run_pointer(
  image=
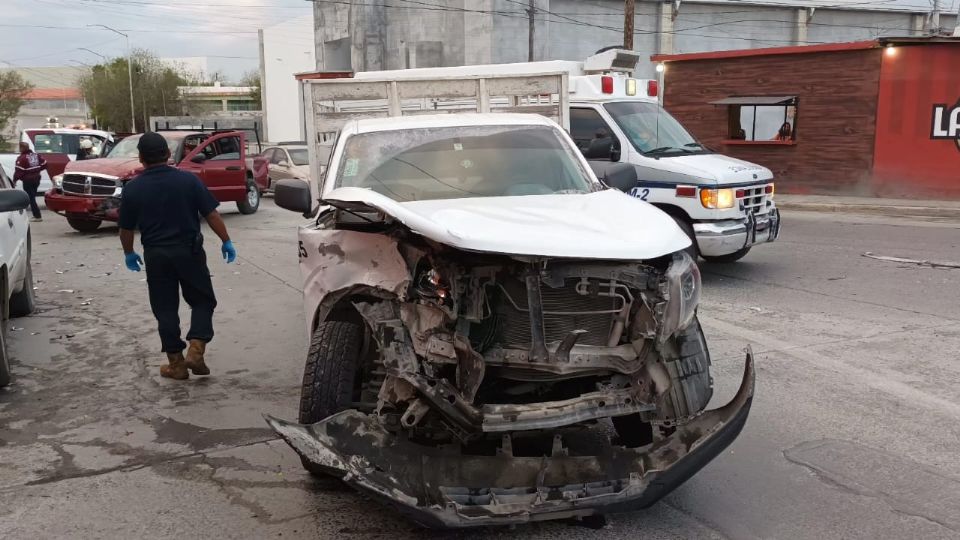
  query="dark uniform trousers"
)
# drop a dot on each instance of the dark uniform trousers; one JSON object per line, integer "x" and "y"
{"x": 169, "y": 269}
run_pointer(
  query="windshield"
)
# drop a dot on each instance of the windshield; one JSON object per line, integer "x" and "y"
{"x": 299, "y": 156}
{"x": 127, "y": 148}
{"x": 651, "y": 129}
{"x": 460, "y": 162}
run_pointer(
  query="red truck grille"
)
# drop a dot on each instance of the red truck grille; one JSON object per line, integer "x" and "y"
{"x": 82, "y": 184}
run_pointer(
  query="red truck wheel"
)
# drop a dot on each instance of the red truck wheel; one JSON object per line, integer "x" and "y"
{"x": 84, "y": 225}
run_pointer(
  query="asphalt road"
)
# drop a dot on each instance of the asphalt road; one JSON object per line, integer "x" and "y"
{"x": 855, "y": 429}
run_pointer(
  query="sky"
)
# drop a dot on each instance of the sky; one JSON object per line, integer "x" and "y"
{"x": 223, "y": 30}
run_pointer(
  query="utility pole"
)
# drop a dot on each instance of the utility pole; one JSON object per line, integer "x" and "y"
{"x": 934, "y": 26}
{"x": 629, "y": 11}
{"x": 531, "y": 11}
{"x": 956, "y": 29}
{"x": 133, "y": 117}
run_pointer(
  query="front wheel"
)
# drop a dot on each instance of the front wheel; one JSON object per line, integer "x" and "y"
{"x": 24, "y": 302}
{"x": 251, "y": 202}
{"x": 84, "y": 225}
{"x": 4, "y": 356}
{"x": 688, "y": 230}
{"x": 330, "y": 374}
{"x": 729, "y": 257}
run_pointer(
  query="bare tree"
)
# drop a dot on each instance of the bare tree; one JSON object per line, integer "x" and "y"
{"x": 13, "y": 88}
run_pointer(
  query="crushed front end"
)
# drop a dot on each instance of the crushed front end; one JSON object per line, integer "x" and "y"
{"x": 493, "y": 390}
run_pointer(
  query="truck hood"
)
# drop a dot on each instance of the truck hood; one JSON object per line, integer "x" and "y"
{"x": 119, "y": 167}
{"x": 602, "y": 225}
{"x": 715, "y": 167}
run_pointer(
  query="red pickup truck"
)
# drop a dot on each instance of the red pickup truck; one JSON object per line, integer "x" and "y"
{"x": 88, "y": 192}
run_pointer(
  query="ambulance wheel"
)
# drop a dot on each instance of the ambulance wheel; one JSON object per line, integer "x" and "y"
{"x": 251, "y": 201}
{"x": 729, "y": 257}
{"x": 84, "y": 225}
{"x": 688, "y": 230}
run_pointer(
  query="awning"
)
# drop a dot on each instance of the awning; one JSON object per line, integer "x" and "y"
{"x": 756, "y": 100}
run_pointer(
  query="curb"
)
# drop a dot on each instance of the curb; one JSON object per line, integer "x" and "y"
{"x": 873, "y": 209}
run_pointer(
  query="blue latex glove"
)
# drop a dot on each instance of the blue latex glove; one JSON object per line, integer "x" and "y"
{"x": 229, "y": 252}
{"x": 133, "y": 260}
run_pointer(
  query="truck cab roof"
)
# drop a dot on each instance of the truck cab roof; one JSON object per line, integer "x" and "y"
{"x": 369, "y": 125}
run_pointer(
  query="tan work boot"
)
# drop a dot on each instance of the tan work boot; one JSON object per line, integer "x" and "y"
{"x": 177, "y": 367}
{"x": 195, "y": 357}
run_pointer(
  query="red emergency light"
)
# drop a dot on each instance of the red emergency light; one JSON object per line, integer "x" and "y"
{"x": 653, "y": 88}
{"x": 606, "y": 84}
{"x": 686, "y": 191}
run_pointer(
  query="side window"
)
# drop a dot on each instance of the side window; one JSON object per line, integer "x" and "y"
{"x": 761, "y": 119}
{"x": 225, "y": 149}
{"x": 190, "y": 144}
{"x": 278, "y": 156}
{"x": 592, "y": 135}
{"x": 267, "y": 155}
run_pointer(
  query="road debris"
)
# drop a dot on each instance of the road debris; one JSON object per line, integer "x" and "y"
{"x": 918, "y": 262}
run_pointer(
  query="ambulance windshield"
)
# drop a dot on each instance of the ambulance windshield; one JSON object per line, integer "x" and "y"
{"x": 652, "y": 130}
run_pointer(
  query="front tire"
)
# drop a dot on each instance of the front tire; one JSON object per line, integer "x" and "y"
{"x": 688, "y": 230}
{"x": 4, "y": 356}
{"x": 329, "y": 374}
{"x": 729, "y": 257}
{"x": 84, "y": 225}
{"x": 251, "y": 201}
{"x": 24, "y": 302}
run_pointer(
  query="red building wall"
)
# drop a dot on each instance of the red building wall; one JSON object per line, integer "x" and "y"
{"x": 908, "y": 161}
{"x": 837, "y": 93}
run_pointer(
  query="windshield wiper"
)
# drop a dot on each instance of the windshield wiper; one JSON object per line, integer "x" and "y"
{"x": 694, "y": 145}
{"x": 664, "y": 149}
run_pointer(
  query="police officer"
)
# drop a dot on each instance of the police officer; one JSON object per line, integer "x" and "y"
{"x": 166, "y": 204}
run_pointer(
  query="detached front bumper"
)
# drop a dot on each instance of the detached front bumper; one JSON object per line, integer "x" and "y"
{"x": 715, "y": 238}
{"x": 440, "y": 487}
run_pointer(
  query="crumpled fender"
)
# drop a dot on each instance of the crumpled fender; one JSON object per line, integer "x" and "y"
{"x": 441, "y": 488}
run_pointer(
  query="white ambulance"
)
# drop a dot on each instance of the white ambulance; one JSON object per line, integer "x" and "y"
{"x": 724, "y": 204}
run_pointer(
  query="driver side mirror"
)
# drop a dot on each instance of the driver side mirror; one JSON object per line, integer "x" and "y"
{"x": 199, "y": 158}
{"x": 293, "y": 195}
{"x": 283, "y": 163}
{"x": 12, "y": 200}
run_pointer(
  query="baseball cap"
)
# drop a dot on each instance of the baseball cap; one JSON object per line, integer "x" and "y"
{"x": 152, "y": 146}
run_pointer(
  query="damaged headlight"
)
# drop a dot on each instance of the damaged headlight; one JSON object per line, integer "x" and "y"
{"x": 682, "y": 292}
{"x": 58, "y": 181}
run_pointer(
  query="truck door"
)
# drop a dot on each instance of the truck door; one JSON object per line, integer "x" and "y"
{"x": 13, "y": 236}
{"x": 218, "y": 161}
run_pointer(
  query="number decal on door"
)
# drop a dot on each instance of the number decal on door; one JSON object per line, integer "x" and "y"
{"x": 303, "y": 251}
{"x": 640, "y": 193}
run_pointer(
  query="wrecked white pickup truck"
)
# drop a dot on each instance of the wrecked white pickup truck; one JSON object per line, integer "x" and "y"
{"x": 497, "y": 336}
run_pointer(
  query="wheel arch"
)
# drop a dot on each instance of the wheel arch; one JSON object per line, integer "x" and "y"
{"x": 339, "y": 305}
{"x": 674, "y": 211}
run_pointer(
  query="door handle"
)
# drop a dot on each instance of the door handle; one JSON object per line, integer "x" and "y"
{"x": 233, "y": 168}
{"x": 10, "y": 221}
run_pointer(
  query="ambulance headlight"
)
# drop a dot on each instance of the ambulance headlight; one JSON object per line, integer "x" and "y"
{"x": 718, "y": 199}
{"x": 681, "y": 289}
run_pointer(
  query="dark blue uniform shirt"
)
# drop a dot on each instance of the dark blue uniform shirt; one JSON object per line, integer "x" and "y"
{"x": 165, "y": 204}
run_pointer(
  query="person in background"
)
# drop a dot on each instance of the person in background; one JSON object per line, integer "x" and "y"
{"x": 785, "y": 133}
{"x": 165, "y": 205}
{"x": 28, "y": 168}
{"x": 86, "y": 150}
